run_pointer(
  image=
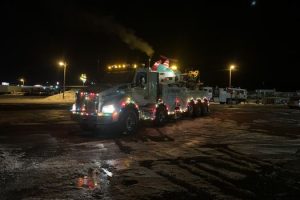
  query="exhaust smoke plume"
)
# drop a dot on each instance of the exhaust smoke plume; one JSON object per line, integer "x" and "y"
{"x": 125, "y": 34}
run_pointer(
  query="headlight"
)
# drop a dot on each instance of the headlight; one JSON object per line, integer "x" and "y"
{"x": 108, "y": 109}
{"x": 73, "y": 107}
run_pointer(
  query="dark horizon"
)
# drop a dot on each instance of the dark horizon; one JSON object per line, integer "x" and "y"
{"x": 260, "y": 38}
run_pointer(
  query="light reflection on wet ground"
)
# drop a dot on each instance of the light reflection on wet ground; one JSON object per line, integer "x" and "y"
{"x": 91, "y": 181}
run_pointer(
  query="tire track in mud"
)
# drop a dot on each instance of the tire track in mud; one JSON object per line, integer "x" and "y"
{"x": 218, "y": 180}
{"x": 224, "y": 149}
{"x": 144, "y": 136}
{"x": 227, "y": 176}
{"x": 199, "y": 183}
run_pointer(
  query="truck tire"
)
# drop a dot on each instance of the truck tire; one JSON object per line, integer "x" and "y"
{"x": 129, "y": 122}
{"x": 190, "y": 109}
{"x": 160, "y": 116}
{"x": 177, "y": 114}
{"x": 204, "y": 109}
{"x": 197, "y": 109}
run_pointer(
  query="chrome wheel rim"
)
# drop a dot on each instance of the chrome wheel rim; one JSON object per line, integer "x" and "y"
{"x": 161, "y": 116}
{"x": 191, "y": 110}
{"x": 130, "y": 123}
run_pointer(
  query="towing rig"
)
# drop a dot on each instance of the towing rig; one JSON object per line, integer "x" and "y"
{"x": 146, "y": 95}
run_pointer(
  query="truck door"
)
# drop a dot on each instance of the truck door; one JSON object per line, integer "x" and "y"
{"x": 146, "y": 88}
{"x": 153, "y": 90}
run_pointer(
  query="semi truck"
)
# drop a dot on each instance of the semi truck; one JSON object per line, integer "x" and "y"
{"x": 126, "y": 97}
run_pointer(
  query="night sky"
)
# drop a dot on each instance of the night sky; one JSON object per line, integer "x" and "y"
{"x": 260, "y": 37}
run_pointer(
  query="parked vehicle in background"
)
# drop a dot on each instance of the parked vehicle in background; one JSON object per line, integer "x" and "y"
{"x": 9, "y": 89}
{"x": 232, "y": 95}
{"x": 39, "y": 90}
{"x": 208, "y": 91}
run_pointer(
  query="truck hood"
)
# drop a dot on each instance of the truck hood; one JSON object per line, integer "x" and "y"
{"x": 113, "y": 90}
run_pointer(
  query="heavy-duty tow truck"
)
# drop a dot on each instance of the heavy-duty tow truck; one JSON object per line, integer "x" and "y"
{"x": 140, "y": 94}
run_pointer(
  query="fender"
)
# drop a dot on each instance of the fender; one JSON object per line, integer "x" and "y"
{"x": 126, "y": 104}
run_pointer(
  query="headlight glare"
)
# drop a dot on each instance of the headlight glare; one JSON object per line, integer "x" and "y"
{"x": 73, "y": 107}
{"x": 108, "y": 109}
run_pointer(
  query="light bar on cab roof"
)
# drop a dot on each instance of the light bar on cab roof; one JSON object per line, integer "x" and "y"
{"x": 121, "y": 67}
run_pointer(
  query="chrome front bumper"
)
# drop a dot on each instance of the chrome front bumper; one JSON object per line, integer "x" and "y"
{"x": 92, "y": 119}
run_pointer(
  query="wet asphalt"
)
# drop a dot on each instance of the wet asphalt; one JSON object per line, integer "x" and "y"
{"x": 236, "y": 152}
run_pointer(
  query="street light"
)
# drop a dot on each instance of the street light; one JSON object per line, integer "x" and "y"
{"x": 22, "y": 80}
{"x": 64, "y": 65}
{"x": 232, "y": 67}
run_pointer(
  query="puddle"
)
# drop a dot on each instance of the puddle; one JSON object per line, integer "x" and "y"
{"x": 108, "y": 173}
{"x": 98, "y": 178}
{"x": 91, "y": 181}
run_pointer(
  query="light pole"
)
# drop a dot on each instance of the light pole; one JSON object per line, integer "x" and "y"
{"x": 232, "y": 67}
{"x": 64, "y": 65}
{"x": 22, "y": 80}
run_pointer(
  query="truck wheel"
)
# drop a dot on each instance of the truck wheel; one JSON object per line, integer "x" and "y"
{"x": 129, "y": 122}
{"x": 190, "y": 110}
{"x": 197, "y": 110}
{"x": 204, "y": 109}
{"x": 160, "y": 116}
{"x": 177, "y": 114}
